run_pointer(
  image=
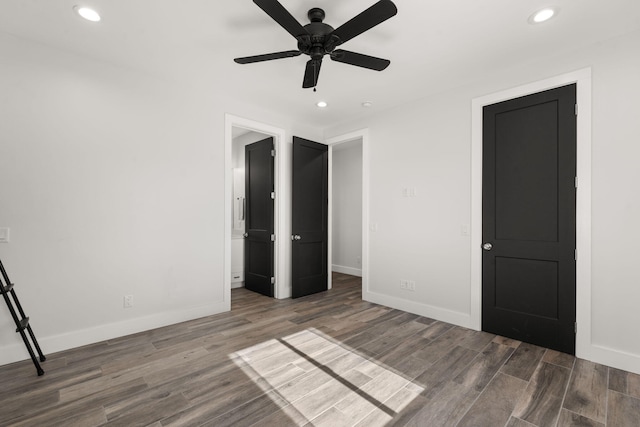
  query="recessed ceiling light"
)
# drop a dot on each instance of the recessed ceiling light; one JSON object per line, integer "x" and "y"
{"x": 543, "y": 15}
{"x": 87, "y": 13}
{"x": 367, "y": 104}
{"x": 321, "y": 104}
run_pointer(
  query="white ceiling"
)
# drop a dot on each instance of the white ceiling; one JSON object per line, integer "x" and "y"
{"x": 432, "y": 45}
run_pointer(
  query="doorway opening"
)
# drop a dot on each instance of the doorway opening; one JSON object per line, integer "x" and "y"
{"x": 346, "y": 208}
{"x": 528, "y": 218}
{"x": 582, "y": 78}
{"x": 244, "y": 131}
{"x": 349, "y": 207}
{"x": 241, "y": 241}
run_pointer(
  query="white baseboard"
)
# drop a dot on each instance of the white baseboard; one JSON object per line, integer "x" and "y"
{"x": 16, "y": 352}
{"x": 594, "y": 352}
{"x": 611, "y": 357}
{"x": 437, "y": 313}
{"x": 346, "y": 270}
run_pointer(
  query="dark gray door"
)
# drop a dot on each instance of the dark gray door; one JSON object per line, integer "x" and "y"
{"x": 258, "y": 242}
{"x": 528, "y": 219}
{"x": 309, "y": 217}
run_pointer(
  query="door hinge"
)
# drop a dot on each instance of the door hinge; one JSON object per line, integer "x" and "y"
{"x": 575, "y": 327}
{"x": 273, "y": 153}
{"x": 576, "y": 182}
{"x": 273, "y": 280}
{"x": 273, "y": 237}
{"x": 575, "y": 254}
{"x": 273, "y": 195}
{"x": 576, "y": 109}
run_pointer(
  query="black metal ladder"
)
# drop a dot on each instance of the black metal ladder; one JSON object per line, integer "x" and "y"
{"x": 22, "y": 322}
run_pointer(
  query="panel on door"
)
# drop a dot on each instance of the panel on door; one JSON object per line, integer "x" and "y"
{"x": 528, "y": 219}
{"x": 259, "y": 219}
{"x": 309, "y": 217}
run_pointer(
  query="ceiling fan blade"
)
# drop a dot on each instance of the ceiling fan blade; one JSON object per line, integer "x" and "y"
{"x": 311, "y": 73}
{"x": 282, "y": 16}
{"x": 360, "y": 60}
{"x": 376, "y": 14}
{"x": 268, "y": 57}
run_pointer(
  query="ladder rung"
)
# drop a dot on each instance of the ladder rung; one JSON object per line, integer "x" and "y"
{"x": 23, "y": 324}
{"x": 7, "y": 289}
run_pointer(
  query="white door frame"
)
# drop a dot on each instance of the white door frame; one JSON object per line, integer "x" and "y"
{"x": 280, "y": 261}
{"x": 362, "y": 134}
{"x": 582, "y": 78}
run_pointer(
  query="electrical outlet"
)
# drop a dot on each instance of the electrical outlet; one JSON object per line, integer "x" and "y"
{"x": 411, "y": 285}
{"x": 403, "y": 284}
{"x": 128, "y": 301}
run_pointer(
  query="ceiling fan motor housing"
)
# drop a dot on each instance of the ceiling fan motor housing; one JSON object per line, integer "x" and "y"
{"x": 315, "y": 44}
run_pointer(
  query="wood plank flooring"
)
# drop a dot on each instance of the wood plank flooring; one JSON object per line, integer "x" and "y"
{"x": 329, "y": 359}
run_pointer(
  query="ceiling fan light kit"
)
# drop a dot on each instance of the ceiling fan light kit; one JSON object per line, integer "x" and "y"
{"x": 318, "y": 39}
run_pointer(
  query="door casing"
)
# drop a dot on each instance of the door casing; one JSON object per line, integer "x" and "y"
{"x": 582, "y": 78}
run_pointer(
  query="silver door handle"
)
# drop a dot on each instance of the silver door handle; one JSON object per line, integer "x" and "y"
{"x": 295, "y": 237}
{"x": 245, "y": 235}
{"x": 487, "y": 246}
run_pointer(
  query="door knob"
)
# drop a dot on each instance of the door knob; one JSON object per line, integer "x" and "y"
{"x": 296, "y": 237}
{"x": 245, "y": 235}
{"x": 487, "y": 246}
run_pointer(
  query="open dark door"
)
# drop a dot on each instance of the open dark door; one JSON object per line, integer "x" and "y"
{"x": 528, "y": 219}
{"x": 259, "y": 228}
{"x": 309, "y": 217}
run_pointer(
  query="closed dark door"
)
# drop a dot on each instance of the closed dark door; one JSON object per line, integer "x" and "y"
{"x": 528, "y": 219}
{"x": 258, "y": 242}
{"x": 309, "y": 217}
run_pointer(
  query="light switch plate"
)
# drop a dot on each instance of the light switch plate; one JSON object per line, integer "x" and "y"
{"x": 4, "y": 234}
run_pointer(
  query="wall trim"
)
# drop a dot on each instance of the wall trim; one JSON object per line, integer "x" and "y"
{"x": 52, "y": 344}
{"x": 585, "y": 348}
{"x": 347, "y": 270}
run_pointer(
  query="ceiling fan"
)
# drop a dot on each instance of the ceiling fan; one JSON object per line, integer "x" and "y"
{"x": 317, "y": 39}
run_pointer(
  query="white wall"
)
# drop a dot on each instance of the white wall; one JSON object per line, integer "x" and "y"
{"x": 111, "y": 182}
{"x": 346, "y": 253}
{"x": 426, "y": 145}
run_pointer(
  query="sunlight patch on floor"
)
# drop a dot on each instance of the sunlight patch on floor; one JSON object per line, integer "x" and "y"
{"x": 318, "y": 378}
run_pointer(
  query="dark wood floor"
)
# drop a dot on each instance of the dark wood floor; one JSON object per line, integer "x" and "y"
{"x": 329, "y": 359}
